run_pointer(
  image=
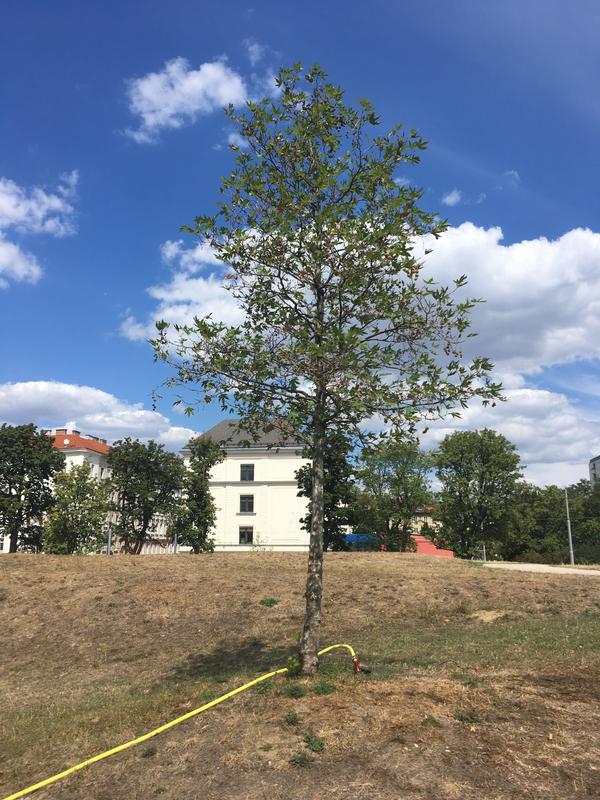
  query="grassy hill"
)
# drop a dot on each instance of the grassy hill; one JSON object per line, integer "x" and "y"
{"x": 484, "y": 684}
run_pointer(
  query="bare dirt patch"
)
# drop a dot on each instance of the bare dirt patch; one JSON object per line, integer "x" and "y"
{"x": 97, "y": 650}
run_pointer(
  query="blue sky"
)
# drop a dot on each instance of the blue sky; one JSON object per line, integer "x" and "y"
{"x": 112, "y": 136}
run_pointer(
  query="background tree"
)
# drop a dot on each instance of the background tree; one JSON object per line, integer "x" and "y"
{"x": 478, "y": 471}
{"x": 394, "y": 476}
{"x": 340, "y": 324}
{"x": 145, "y": 481}
{"x": 195, "y": 516}
{"x": 28, "y": 462}
{"x": 77, "y": 521}
{"x": 338, "y": 490}
{"x": 537, "y": 525}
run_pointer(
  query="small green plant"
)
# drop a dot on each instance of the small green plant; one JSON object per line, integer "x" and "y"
{"x": 2, "y": 596}
{"x": 432, "y": 721}
{"x": 266, "y": 747}
{"x": 398, "y": 739}
{"x": 324, "y": 688}
{"x": 264, "y": 687}
{"x": 314, "y": 743}
{"x": 294, "y": 690}
{"x": 208, "y": 695}
{"x": 467, "y": 716}
{"x": 292, "y": 718}
{"x": 269, "y": 602}
{"x": 149, "y": 751}
{"x": 301, "y": 760}
{"x": 293, "y": 667}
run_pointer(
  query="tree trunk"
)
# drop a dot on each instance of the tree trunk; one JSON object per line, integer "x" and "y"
{"x": 314, "y": 580}
{"x": 14, "y": 540}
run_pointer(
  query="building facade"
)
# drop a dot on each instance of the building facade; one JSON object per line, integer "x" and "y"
{"x": 594, "y": 467}
{"x": 255, "y": 491}
{"x": 79, "y": 450}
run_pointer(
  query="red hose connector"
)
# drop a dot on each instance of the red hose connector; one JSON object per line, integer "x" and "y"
{"x": 356, "y": 665}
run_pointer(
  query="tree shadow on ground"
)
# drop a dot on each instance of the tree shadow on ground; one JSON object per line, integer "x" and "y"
{"x": 248, "y": 656}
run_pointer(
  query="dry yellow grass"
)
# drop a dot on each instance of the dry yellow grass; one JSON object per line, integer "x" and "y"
{"x": 484, "y": 684}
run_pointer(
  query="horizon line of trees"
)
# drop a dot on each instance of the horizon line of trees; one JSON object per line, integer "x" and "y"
{"x": 481, "y": 497}
{"x": 45, "y": 508}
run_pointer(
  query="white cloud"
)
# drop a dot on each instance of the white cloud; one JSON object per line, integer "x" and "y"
{"x": 542, "y": 296}
{"x": 186, "y": 295}
{"x": 237, "y": 140}
{"x": 90, "y": 410}
{"x": 512, "y": 178}
{"x": 17, "y": 265}
{"x": 178, "y": 95}
{"x": 32, "y": 212}
{"x": 452, "y": 198}
{"x": 256, "y": 52}
{"x": 38, "y": 211}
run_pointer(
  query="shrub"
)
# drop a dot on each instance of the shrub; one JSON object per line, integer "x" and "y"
{"x": 301, "y": 760}
{"x": 292, "y": 718}
{"x": 294, "y": 690}
{"x": 314, "y": 743}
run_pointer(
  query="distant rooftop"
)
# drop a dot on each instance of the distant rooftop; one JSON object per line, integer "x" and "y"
{"x": 73, "y": 440}
{"x": 226, "y": 433}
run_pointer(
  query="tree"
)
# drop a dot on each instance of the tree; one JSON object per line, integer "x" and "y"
{"x": 195, "y": 519}
{"x": 478, "y": 471}
{"x": 339, "y": 323}
{"x": 145, "y": 482}
{"x": 395, "y": 485}
{"x": 28, "y": 462}
{"x": 78, "y": 518}
{"x": 338, "y": 491}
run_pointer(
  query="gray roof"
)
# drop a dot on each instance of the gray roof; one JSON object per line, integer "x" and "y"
{"x": 226, "y": 432}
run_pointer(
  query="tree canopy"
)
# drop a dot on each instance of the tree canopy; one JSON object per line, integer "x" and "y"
{"x": 78, "y": 518}
{"x": 195, "y": 516}
{"x": 28, "y": 463}
{"x": 145, "y": 482}
{"x": 339, "y": 322}
{"x": 394, "y": 476}
{"x": 478, "y": 472}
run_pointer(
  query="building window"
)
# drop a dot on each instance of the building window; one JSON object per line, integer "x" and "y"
{"x": 246, "y": 503}
{"x": 246, "y": 472}
{"x": 246, "y": 535}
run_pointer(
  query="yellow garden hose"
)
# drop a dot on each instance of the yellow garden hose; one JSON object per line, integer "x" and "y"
{"x": 171, "y": 724}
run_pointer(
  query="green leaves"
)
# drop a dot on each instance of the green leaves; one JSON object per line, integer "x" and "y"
{"x": 319, "y": 241}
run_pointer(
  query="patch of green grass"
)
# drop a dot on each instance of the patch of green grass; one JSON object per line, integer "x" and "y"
{"x": 301, "y": 760}
{"x": 149, "y": 751}
{"x": 467, "y": 680}
{"x": 264, "y": 687}
{"x": 269, "y": 602}
{"x": 208, "y": 695}
{"x": 467, "y": 716}
{"x": 294, "y": 690}
{"x": 266, "y": 747}
{"x": 398, "y": 739}
{"x": 314, "y": 743}
{"x": 2, "y": 596}
{"x": 291, "y": 718}
{"x": 324, "y": 688}
{"x": 432, "y": 721}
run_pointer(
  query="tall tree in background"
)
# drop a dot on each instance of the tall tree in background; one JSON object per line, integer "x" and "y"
{"x": 338, "y": 490}
{"x": 478, "y": 471}
{"x": 394, "y": 476}
{"x": 339, "y": 322}
{"x": 28, "y": 462}
{"x": 195, "y": 516}
{"x": 145, "y": 481}
{"x": 77, "y": 520}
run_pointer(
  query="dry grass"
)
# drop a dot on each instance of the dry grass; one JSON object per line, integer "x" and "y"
{"x": 484, "y": 683}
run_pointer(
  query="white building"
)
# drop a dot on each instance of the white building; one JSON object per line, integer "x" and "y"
{"x": 79, "y": 449}
{"x": 255, "y": 491}
{"x": 594, "y": 467}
